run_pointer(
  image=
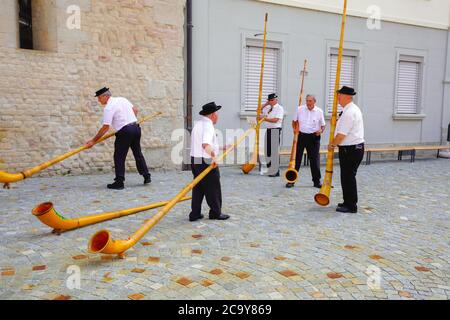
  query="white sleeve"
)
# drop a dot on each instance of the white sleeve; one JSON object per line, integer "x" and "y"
{"x": 108, "y": 115}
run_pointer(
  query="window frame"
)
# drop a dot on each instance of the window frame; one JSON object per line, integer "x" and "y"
{"x": 45, "y": 31}
{"x": 410, "y": 55}
{"x": 249, "y": 40}
{"x": 350, "y": 50}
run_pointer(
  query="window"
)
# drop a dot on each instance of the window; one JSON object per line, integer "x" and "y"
{"x": 348, "y": 75}
{"x": 38, "y": 25}
{"x": 408, "y": 87}
{"x": 25, "y": 25}
{"x": 252, "y": 71}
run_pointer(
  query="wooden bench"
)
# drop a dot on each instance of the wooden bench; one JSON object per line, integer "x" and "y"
{"x": 412, "y": 150}
{"x": 402, "y": 150}
{"x": 430, "y": 148}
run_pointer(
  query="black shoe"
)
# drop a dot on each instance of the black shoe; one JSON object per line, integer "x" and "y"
{"x": 290, "y": 185}
{"x": 341, "y": 205}
{"x": 345, "y": 209}
{"x": 118, "y": 185}
{"x": 147, "y": 179}
{"x": 221, "y": 217}
{"x": 318, "y": 185}
{"x": 274, "y": 175}
{"x": 191, "y": 219}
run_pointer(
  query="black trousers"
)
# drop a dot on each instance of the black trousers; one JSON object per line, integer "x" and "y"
{"x": 209, "y": 188}
{"x": 126, "y": 138}
{"x": 312, "y": 144}
{"x": 350, "y": 158}
{"x": 273, "y": 139}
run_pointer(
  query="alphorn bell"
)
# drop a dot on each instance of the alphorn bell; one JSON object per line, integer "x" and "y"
{"x": 102, "y": 241}
{"x": 248, "y": 167}
{"x": 8, "y": 178}
{"x": 323, "y": 197}
{"x": 291, "y": 175}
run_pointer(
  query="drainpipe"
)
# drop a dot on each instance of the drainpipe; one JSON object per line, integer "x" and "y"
{"x": 189, "y": 106}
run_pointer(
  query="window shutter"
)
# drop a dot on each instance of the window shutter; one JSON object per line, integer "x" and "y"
{"x": 408, "y": 87}
{"x": 253, "y": 56}
{"x": 348, "y": 77}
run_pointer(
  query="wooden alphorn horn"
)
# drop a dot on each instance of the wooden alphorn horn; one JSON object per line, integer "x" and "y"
{"x": 47, "y": 214}
{"x": 8, "y": 178}
{"x": 248, "y": 167}
{"x": 323, "y": 197}
{"x": 291, "y": 175}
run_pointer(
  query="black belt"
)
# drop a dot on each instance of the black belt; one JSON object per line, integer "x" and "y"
{"x": 128, "y": 125}
{"x": 274, "y": 128}
{"x": 307, "y": 134}
{"x": 352, "y": 147}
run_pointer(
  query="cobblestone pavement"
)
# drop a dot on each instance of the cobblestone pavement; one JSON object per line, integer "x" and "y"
{"x": 278, "y": 244}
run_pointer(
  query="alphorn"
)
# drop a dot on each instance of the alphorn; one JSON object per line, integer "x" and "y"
{"x": 248, "y": 167}
{"x": 323, "y": 197}
{"x": 8, "y": 178}
{"x": 102, "y": 242}
{"x": 47, "y": 214}
{"x": 291, "y": 175}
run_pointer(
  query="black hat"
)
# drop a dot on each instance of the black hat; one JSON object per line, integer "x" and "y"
{"x": 347, "y": 90}
{"x": 209, "y": 108}
{"x": 101, "y": 91}
{"x": 272, "y": 96}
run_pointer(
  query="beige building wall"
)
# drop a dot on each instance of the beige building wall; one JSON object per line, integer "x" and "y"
{"x": 46, "y": 96}
{"x": 426, "y": 13}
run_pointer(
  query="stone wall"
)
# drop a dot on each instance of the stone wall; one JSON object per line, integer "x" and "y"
{"x": 47, "y": 108}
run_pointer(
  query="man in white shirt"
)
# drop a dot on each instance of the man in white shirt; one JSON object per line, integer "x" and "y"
{"x": 204, "y": 151}
{"x": 274, "y": 114}
{"x": 120, "y": 114}
{"x": 349, "y": 137}
{"x": 309, "y": 122}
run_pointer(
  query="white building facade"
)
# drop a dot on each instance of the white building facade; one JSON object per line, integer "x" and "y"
{"x": 396, "y": 55}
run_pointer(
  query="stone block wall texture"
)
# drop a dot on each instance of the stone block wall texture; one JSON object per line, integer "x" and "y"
{"x": 47, "y": 107}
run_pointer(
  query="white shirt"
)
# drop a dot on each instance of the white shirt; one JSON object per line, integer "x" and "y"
{"x": 310, "y": 121}
{"x": 118, "y": 113}
{"x": 276, "y": 113}
{"x": 203, "y": 133}
{"x": 351, "y": 125}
